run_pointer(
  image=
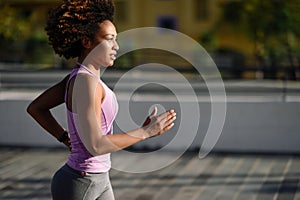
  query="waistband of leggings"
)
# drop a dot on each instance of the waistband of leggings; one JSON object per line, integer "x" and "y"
{"x": 82, "y": 173}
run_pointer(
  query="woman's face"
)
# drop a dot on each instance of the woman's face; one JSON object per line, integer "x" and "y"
{"x": 104, "y": 47}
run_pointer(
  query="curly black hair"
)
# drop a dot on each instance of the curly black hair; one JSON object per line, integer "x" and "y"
{"x": 74, "y": 19}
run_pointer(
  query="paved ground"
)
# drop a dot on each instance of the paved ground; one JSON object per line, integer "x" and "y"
{"x": 26, "y": 173}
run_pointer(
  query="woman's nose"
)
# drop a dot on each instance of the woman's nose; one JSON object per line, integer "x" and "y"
{"x": 116, "y": 46}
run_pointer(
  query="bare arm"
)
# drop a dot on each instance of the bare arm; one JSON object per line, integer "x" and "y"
{"x": 87, "y": 96}
{"x": 40, "y": 108}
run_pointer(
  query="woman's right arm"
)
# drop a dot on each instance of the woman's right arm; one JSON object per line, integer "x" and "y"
{"x": 86, "y": 100}
{"x": 156, "y": 125}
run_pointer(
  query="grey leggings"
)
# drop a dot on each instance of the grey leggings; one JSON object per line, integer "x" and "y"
{"x": 69, "y": 184}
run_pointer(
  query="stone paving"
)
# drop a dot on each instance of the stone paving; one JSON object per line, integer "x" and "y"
{"x": 25, "y": 173}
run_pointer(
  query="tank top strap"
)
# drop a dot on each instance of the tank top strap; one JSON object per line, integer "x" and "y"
{"x": 72, "y": 74}
{"x": 90, "y": 72}
{"x": 76, "y": 71}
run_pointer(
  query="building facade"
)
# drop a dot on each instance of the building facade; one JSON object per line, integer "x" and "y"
{"x": 194, "y": 18}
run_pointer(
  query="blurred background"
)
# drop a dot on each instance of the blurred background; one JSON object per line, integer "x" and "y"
{"x": 255, "y": 45}
{"x": 247, "y": 39}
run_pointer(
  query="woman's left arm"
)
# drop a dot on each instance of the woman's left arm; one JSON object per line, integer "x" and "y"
{"x": 40, "y": 108}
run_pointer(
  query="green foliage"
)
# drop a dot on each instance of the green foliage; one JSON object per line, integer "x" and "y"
{"x": 13, "y": 26}
{"x": 22, "y": 38}
{"x": 208, "y": 40}
{"x": 272, "y": 24}
{"x": 263, "y": 19}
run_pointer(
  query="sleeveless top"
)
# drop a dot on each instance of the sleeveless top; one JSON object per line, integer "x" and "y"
{"x": 80, "y": 159}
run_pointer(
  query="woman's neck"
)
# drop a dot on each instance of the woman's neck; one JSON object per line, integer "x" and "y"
{"x": 90, "y": 67}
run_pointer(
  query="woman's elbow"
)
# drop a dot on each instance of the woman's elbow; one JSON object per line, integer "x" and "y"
{"x": 94, "y": 151}
{"x": 32, "y": 109}
{"x": 100, "y": 149}
{"x": 29, "y": 109}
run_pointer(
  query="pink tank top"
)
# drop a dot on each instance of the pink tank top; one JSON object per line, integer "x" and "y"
{"x": 80, "y": 159}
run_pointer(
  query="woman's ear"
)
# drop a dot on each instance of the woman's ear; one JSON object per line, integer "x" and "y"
{"x": 86, "y": 42}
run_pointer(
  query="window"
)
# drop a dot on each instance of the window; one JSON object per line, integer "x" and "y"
{"x": 169, "y": 22}
{"x": 201, "y": 9}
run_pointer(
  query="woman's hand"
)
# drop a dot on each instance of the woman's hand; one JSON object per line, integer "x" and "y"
{"x": 155, "y": 125}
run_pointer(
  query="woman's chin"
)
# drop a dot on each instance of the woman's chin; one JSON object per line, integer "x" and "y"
{"x": 111, "y": 64}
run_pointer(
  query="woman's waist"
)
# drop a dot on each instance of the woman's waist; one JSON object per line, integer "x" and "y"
{"x": 88, "y": 163}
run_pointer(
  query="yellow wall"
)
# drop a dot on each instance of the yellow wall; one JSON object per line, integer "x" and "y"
{"x": 143, "y": 13}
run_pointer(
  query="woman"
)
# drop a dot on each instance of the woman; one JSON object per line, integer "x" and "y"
{"x": 85, "y": 30}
